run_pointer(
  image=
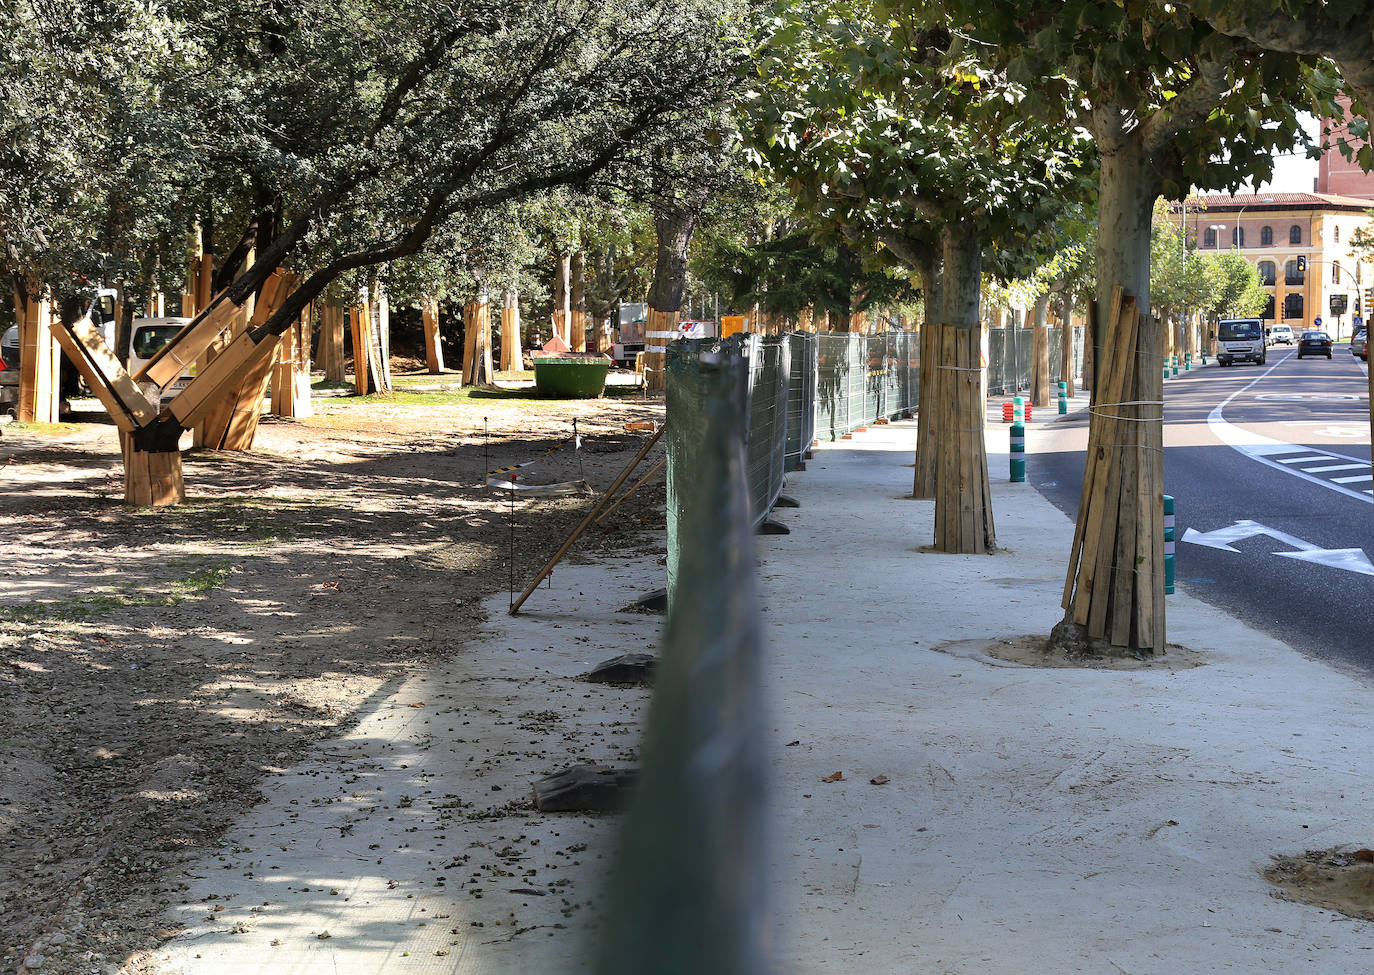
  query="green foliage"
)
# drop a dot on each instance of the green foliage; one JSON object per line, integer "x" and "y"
{"x": 1234, "y": 287}
{"x": 884, "y": 126}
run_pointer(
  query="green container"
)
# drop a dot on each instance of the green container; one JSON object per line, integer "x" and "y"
{"x": 571, "y": 377}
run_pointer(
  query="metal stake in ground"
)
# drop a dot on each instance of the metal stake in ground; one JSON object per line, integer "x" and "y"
{"x": 591, "y": 515}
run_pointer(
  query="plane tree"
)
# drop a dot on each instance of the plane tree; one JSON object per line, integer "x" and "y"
{"x": 1171, "y": 103}
{"x": 887, "y": 128}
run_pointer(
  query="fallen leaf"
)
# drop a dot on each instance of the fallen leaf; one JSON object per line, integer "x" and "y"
{"x": 879, "y": 780}
{"x": 791, "y": 743}
{"x": 418, "y": 704}
{"x": 834, "y": 777}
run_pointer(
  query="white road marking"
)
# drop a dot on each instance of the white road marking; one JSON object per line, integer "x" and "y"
{"x": 1353, "y": 480}
{"x": 1333, "y": 467}
{"x": 1260, "y": 448}
{"x": 1348, "y": 559}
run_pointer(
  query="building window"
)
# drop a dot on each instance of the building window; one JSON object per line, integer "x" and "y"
{"x": 1295, "y": 234}
{"x": 1266, "y": 236}
{"x": 1335, "y": 233}
{"x": 1335, "y": 272}
{"x": 1266, "y": 273}
{"x": 1269, "y": 309}
{"x": 1238, "y": 237}
{"x": 1291, "y": 274}
{"x": 1292, "y": 306}
{"x": 1209, "y": 238}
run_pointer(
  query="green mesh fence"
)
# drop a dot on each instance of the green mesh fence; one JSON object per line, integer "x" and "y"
{"x": 1011, "y": 358}
{"x": 801, "y": 399}
{"x": 688, "y": 888}
{"x": 863, "y": 378}
{"x": 770, "y": 363}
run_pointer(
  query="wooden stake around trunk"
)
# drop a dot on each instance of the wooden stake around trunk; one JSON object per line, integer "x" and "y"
{"x": 1115, "y": 584}
{"x": 577, "y": 302}
{"x": 434, "y": 350}
{"x": 659, "y": 330}
{"x": 333, "y": 322}
{"x": 511, "y": 359}
{"x": 928, "y": 407}
{"x": 477, "y": 367}
{"x": 1040, "y": 353}
{"x": 152, "y": 479}
{"x": 40, "y": 361}
{"x": 963, "y": 498}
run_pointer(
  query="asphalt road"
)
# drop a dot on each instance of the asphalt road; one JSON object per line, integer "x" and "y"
{"x": 1284, "y": 450}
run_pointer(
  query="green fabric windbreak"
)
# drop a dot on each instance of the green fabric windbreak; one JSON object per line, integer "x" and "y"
{"x": 801, "y": 399}
{"x": 688, "y": 397}
{"x": 688, "y": 888}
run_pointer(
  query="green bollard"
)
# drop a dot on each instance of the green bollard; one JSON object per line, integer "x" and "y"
{"x": 1166, "y": 370}
{"x": 1018, "y": 452}
{"x": 1204, "y": 357}
{"x": 1018, "y": 409}
{"x": 1168, "y": 545}
{"x": 1063, "y": 397}
{"x": 1188, "y": 362}
{"x": 1175, "y": 365}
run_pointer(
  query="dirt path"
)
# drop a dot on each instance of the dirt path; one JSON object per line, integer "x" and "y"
{"x": 156, "y": 665}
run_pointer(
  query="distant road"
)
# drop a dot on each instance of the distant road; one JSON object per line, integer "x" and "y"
{"x": 1270, "y": 470}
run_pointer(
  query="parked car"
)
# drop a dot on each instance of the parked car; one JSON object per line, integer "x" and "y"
{"x": 147, "y": 336}
{"x": 1359, "y": 344}
{"x": 1281, "y": 335}
{"x": 9, "y": 368}
{"x": 1314, "y": 343}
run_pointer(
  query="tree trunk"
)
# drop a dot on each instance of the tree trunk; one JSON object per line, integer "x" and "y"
{"x": 40, "y": 362}
{"x": 1040, "y": 352}
{"x": 1115, "y": 582}
{"x": 963, "y": 498}
{"x": 674, "y": 232}
{"x": 434, "y": 349}
{"x": 511, "y": 359}
{"x": 1066, "y": 341}
{"x": 477, "y": 368}
{"x": 577, "y": 314}
{"x": 562, "y": 297}
{"x": 928, "y": 388}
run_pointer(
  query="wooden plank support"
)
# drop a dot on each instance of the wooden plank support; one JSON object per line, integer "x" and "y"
{"x": 39, "y": 364}
{"x": 196, "y": 336}
{"x": 221, "y": 377}
{"x": 434, "y": 349}
{"x": 115, "y": 388}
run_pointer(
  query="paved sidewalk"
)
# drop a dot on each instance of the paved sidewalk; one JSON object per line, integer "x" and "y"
{"x": 1034, "y": 821}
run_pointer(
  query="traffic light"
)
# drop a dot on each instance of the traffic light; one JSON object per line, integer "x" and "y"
{"x": 1302, "y": 265}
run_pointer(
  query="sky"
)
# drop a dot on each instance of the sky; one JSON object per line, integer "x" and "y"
{"x": 1293, "y": 173}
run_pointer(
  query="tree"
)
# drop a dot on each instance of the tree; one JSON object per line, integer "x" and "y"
{"x": 1171, "y": 103}
{"x": 1234, "y": 286}
{"x": 887, "y": 128}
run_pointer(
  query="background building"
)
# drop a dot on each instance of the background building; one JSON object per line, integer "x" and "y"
{"x": 1273, "y": 231}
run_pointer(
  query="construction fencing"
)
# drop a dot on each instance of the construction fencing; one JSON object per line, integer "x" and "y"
{"x": 1011, "y": 356}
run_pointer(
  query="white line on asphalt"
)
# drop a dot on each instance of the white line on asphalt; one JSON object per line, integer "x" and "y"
{"x": 1306, "y": 458}
{"x": 1260, "y": 448}
{"x": 1333, "y": 467}
{"x": 1352, "y": 480}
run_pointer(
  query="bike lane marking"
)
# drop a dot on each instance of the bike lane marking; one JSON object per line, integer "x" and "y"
{"x": 1270, "y": 452}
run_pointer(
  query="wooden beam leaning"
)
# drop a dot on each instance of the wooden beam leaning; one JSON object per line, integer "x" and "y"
{"x": 591, "y": 515}
{"x": 115, "y": 388}
{"x": 188, "y": 344}
{"x": 221, "y": 377}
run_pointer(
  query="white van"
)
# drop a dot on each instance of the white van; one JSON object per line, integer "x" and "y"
{"x": 1240, "y": 340}
{"x": 147, "y": 336}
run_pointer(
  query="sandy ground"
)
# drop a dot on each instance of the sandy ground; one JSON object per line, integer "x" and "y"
{"x": 157, "y": 666}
